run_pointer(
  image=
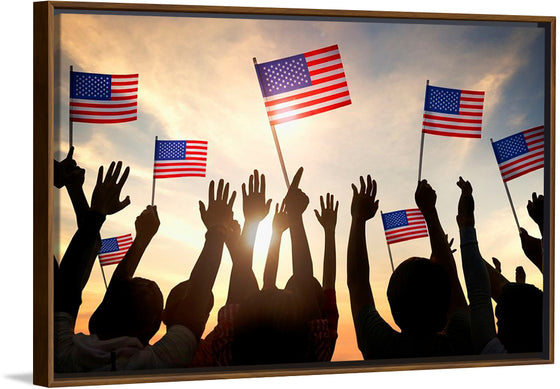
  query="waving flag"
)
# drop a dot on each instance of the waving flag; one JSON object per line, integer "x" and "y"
{"x": 303, "y": 85}
{"x": 453, "y": 112}
{"x": 404, "y": 225}
{"x": 180, "y": 158}
{"x": 113, "y": 250}
{"x": 103, "y": 98}
{"x": 520, "y": 153}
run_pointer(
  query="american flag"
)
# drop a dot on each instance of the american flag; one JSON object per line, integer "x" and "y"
{"x": 303, "y": 85}
{"x": 404, "y": 225}
{"x": 453, "y": 112}
{"x": 180, "y": 158}
{"x": 103, "y": 98}
{"x": 520, "y": 153}
{"x": 113, "y": 250}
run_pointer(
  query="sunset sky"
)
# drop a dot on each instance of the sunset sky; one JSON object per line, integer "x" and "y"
{"x": 197, "y": 81}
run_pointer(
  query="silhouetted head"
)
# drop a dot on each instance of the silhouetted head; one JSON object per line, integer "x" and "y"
{"x": 130, "y": 307}
{"x": 179, "y": 308}
{"x": 519, "y": 313}
{"x": 419, "y": 296}
{"x": 294, "y": 284}
{"x": 270, "y": 327}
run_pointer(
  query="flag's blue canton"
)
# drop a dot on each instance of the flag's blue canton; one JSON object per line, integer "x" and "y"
{"x": 90, "y": 86}
{"x": 510, "y": 147}
{"x": 394, "y": 220}
{"x": 170, "y": 149}
{"x": 109, "y": 245}
{"x": 283, "y": 75}
{"x": 442, "y": 100}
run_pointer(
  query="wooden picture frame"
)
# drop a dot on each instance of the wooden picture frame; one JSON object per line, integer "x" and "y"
{"x": 45, "y": 105}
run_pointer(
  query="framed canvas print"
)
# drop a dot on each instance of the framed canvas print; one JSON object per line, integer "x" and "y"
{"x": 224, "y": 192}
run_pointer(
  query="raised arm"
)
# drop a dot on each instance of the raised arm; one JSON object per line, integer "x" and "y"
{"x": 280, "y": 224}
{"x": 364, "y": 207}
{"x": 425, "y": 198}
{"x": 476, "y": 277}
{"x": 532, "y": 247}
{"x": 497, "y": 280}
{"x": 535, "y": 208}
{"x": 190, "y": 302}
{"x": 243, "y": 282}
{"x": 67, "y": 173}
{"x": 296, "y": 204}
{"x": 147, "y": 224}
{"x": 76, "y": 265}
{"x": 255, "y": 209}
{"x": 327, "y": 218}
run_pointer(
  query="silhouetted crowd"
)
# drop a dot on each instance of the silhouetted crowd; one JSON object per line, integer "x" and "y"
{"x": 297, "y": 323}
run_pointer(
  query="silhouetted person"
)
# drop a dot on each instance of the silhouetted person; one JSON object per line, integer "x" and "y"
{"x": 132, "y": 306}
{"x": 483, "y": 330}
{"x": 190, "y": 302}
{"x": 215, "y": 349}
{"x": 519, "y": 311}
{"x": 424, "y": 304}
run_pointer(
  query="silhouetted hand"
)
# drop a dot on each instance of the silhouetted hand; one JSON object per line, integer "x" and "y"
{"x": 465, "y": 212}
{"x": 105, "y": 197}
{"x": 532, "y": 247}
{"x": 296, "y": 200}
{"x": 280, "y": 222}
{"x": 497, "y": 264}
{"x": 327, "y": 217}
{"x": 233, "y": 234}
{"x": 535, "y": 208}
{"x": 219, "y": 210}
{"x": 147, "y": 223}
{"x": 255, "y": 206}
{"x": 425, "y": 197}
{"x": 364, "y": 205}
{"x": 67, "y": 172}
{"x": 520, "y": 275}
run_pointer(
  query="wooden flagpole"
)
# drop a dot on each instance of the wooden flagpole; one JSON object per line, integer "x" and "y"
{"x": 389, "y": 248}
{"x": 154, "y": 178}
{"x": 70, "y": 123}
{"x": 277, "y": 144}
{"x": 103, "y": 273}
{"x": 421, "y": 148}
{"x": 508, "y": 195}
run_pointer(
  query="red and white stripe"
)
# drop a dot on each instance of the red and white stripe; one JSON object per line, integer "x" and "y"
{"x": 194, "y": 164}
{"x": 416, "y": 228}
{"x": 124, "y": 242}
{"x": 121, "y": 108}
{"x": 328, "y": 89}
{"x": 528, "y": 162}
{"x": 467, "y": 124}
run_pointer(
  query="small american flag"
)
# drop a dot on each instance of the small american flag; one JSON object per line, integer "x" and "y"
{"x": 404, "y": 225}
{"x": 103, "y": 98}
{"x": 180, "y": 158}
{"x": 303, "y": 85}
{"x": 453, "y": 112}
{"x": 113, "y": 250}
{"x": 520, "y": 153}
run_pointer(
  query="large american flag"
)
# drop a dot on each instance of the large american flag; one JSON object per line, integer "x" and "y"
{"x": 520, "y": 153}
{"x": 404, "y": 225}
{"x": 180, "y": 158}
{"x": 453, "y": 112}
{"x": 103, "y": 98}
{"x": 303, "y": 85}
{"x": 114, "y": 249}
